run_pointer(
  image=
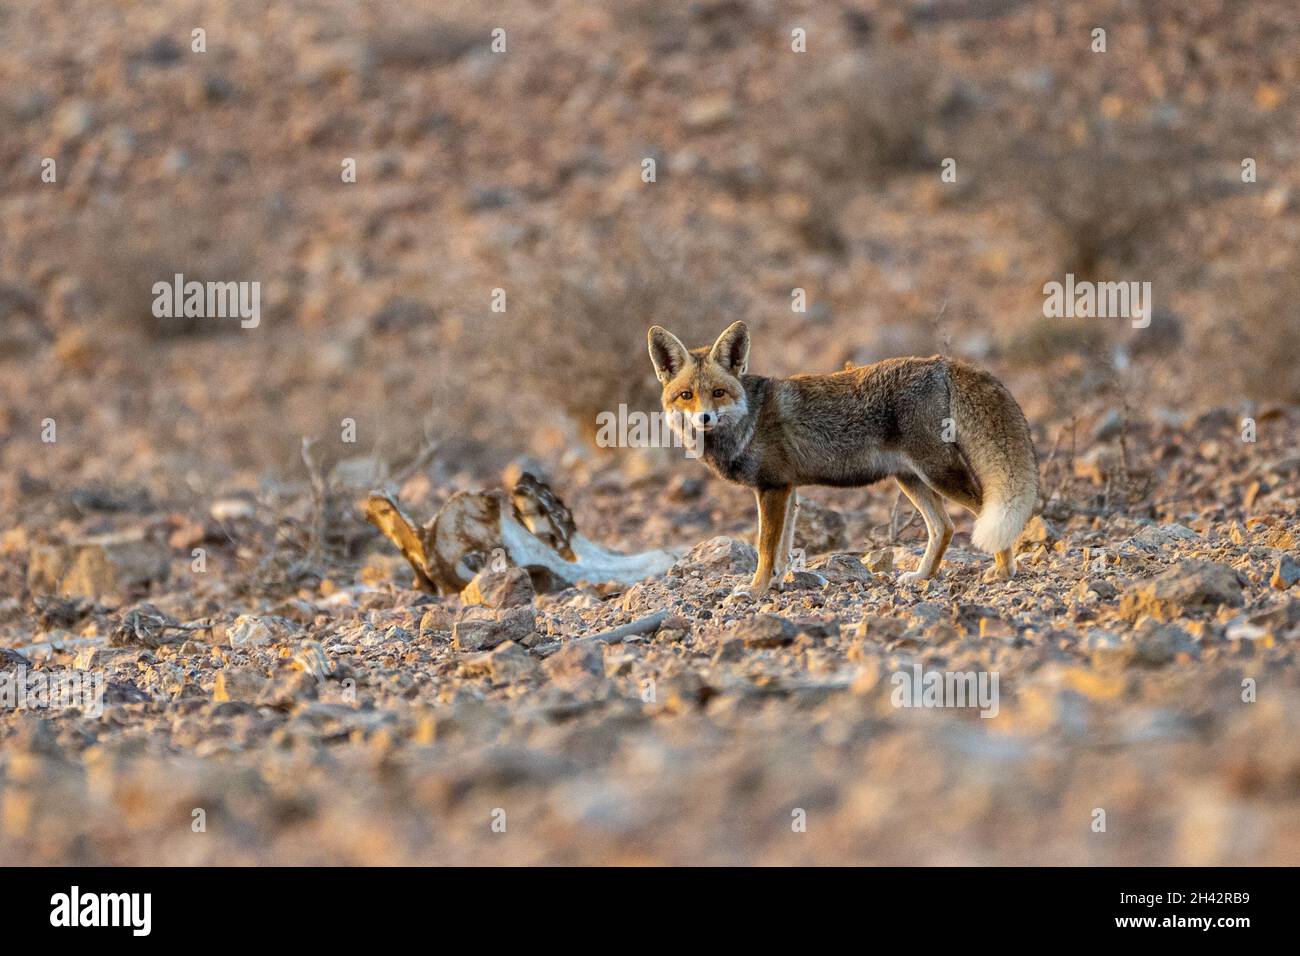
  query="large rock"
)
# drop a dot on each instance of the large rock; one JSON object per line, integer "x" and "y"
{"x": 509, "y": 663}
{"x": 1157, "y": 537}
{"x": 511, "y": 587}
{"x": 577, "y": 659}
{"x": 721, "y": 555}
{"x": 481, "y": 629}
{"x": 1189, "y": 586}
{"x": 253, "y": 630}
{"x": 99, "y": 567}
{"x": 843, "y": 569}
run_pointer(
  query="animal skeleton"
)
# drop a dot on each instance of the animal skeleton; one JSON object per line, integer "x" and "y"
{"x": 531, "y": 528}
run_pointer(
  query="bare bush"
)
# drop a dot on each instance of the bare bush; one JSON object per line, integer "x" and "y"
{"x": 124, "y": 253}
{"x": 1108, "y": 198}
{"x": 580, "y": 343}
{"x": 873, "y": 114}
{"x": 1254, "y": 347}
{"x": 1044, "y": 341}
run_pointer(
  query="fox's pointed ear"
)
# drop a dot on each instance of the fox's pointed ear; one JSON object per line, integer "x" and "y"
{"x": 667, "y": 352}
{"x": 731, "y": 351}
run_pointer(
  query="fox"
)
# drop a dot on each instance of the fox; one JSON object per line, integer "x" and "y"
{"x": 942, "y": 428}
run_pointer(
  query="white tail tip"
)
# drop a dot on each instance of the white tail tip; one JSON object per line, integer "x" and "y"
{"x": 999, "y": 525}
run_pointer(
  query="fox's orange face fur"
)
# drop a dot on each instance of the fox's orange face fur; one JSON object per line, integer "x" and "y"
{"x": 702, "y": 386}
{"x": 943, "y": 429}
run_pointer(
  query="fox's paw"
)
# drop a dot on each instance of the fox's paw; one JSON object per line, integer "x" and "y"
{"x": 995, "y": 574}
{"x": 912, "y": 577}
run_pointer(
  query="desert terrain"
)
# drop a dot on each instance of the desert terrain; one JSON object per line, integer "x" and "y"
{"x": 459, "y": 250}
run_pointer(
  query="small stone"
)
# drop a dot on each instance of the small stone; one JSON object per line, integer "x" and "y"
{"x": 880, "y": 561}
{"x": 1285, "y": 573}
{"x": 577, "y": 659}
{"x": 1099, "y": 586}
{"x": 509, "y": 663}
{"x": 499, "y": 589}
{"x": 311, "y": 659}
{"x": 764, "y": 630}
{"x": 705, "y": 113}
{"x": 97, "y": 656}
{"x": 1280, "y": 621}
{"x": 1156, "y": 646}
{"x": 481, "y": 629}
{"x": 1108, "y": 647}
{"x": 73, "y": 120}
{"x": 803, "y": 580}
{"x": 1039, "y": 531}
{"x": 1242, "y": 629}
{"x": 231, "y": 509}
{"x": 880, "y": 629}
{"x": 819, "y": 628}
{"x": 996, "y": 627}
{"x": 287, "y": 690}
{"x": 238, "y": 684}
{"x": 434, "y": 624}
{"x": 729, "y": 651}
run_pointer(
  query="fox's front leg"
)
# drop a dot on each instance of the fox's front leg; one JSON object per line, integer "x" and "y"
{"x": 785, "y": 547}
{"x": 772, "y": 505}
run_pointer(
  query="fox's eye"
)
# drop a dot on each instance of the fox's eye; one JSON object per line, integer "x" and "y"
{"x": 719, "y": 392}
{"x": 685, "y": 396}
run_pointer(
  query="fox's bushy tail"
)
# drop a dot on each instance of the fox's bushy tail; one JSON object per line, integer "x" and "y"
{"x": 993, "y": 433}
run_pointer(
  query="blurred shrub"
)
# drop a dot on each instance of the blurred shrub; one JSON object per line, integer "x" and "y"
{"x": 1107, "y": 199}
{"x": 1254, "y": 347}
{"x": 125, "y": 251}
{"x": 422, "y": 45}
{"x": 872, "y": 114}
{"x": 579, "y": 343}
{"x": 1045, "y": 340}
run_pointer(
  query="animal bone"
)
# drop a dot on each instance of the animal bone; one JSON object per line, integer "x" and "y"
{"x": 531, "y": 528}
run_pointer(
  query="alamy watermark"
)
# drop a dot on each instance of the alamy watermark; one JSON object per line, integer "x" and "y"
{"x": 637, "y": 429}
{"x": 921, "y": 688}
{"x": 179, "y": 299}
{"x": 52, "y": 690}
{"x": 1100, "y": 300}
{"x": 75, "y": 908}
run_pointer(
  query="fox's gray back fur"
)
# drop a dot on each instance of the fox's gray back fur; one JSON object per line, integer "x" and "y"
{"x": 864, "y": 424}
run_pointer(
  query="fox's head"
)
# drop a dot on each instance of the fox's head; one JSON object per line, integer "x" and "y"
{"x": 702, "y": 385}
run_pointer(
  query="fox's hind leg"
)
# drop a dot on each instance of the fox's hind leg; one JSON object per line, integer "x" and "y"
{"x": 1004, "y": 566}
{"x": 956, "y": 483}
{"x": 938, "y": 526}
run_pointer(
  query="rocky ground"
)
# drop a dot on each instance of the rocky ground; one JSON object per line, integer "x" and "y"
{"x": 1146, "y": 668}
{"x": 180, "y": 502}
